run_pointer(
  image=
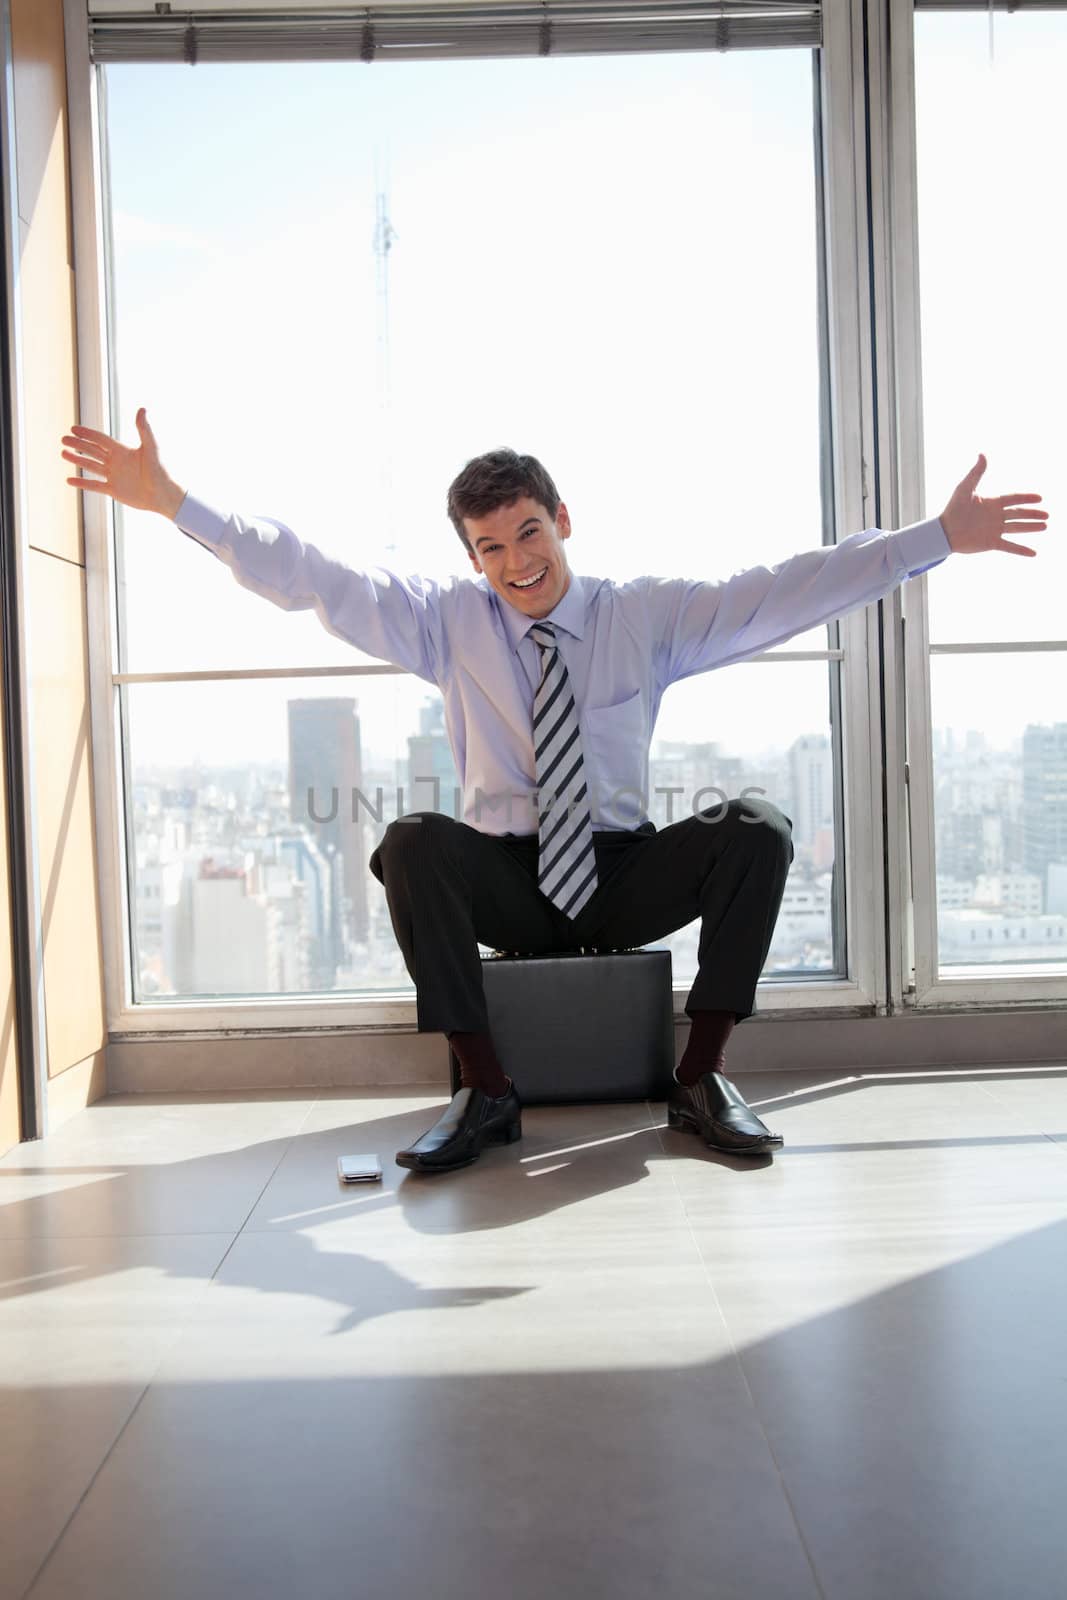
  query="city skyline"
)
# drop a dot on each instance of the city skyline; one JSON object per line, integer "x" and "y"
{"x": 233, "y": 876}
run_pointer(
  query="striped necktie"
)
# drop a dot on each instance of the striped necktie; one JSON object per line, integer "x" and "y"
{"x": 566, "y": 870}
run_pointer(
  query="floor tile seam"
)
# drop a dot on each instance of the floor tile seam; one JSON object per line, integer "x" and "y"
{"x": 743, "y": 1374}
{"x": 163, "y": 1352}
{"x": 657, "y": 1128}
{"x": 999, "y": 1101}
{"x": 166, "y": 1346}
{"x": 738, "y": 1356}
{"x": 168, "y": 1233}
{"x": 62, "y": 1534}
{"x": 289, "y": 1142}
{"x": 233, "y": 1235}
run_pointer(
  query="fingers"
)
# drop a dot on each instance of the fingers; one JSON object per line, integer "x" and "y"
{"x": 1006, "y": 500}
{"x": 1014, "y": 525}
{"x": 86, "y": 450}
{"x": 89, "y": 483}
{"x": 102, "y": 440}
{"x": 89, "y": 462}
{"x": 1014, "y": 549}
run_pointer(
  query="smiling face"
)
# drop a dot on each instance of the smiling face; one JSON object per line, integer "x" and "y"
{"x": 518, "y": 543}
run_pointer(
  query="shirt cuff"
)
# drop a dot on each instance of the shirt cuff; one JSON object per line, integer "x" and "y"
{"x": 921, "y": 546}
{"x": 201, "y": 521}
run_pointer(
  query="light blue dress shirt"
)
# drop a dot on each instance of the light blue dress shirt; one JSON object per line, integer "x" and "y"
{"x": 623, "y": 644}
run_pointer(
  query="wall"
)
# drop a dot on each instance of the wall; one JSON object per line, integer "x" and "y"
{"x": 9, "y": 1095}
{"x": 56, "y": 645}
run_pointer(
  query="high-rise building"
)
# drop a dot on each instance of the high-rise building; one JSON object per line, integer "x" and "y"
{"x": 325, "y": 771}
{"x": 962, "y": 839}
{"x": 1056, "y": 901}
{"x": 309, "y": 866}
{"x": 684, "y": 778}
{"x": 432, "y": 778}
{"x": 223, "y": 936}
{"x": 1044, "y": 797}
{"x": 811, "y": 773}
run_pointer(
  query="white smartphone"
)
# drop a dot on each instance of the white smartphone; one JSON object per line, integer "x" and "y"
{"x": 359, "y": 1169}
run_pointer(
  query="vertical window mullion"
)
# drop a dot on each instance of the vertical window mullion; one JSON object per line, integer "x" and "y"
{"x": 918, "y": 921}
{"x": 901, "y": 404}
{"x": 844, "y": 133}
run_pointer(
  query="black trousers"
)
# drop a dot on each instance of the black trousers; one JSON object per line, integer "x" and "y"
{"x": 449, "y": 886}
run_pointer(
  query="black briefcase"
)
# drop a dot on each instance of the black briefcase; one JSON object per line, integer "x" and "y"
{"x": 582, "y": 1026}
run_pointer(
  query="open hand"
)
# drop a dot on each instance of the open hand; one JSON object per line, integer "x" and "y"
{"x": 972, "y": 523}
{"x": 137, "y": 478}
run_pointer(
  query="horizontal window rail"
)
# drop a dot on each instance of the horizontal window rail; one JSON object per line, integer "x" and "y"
{"x": 990, "y": 5}
{"x": 213, "y": 675}
{"x": 998, "y": 647}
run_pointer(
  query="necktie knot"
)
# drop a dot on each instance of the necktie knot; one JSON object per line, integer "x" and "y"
{"x": 544, "y": 635}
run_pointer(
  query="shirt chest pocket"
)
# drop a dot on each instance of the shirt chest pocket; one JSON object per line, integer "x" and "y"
{"x": 615, "y": 745}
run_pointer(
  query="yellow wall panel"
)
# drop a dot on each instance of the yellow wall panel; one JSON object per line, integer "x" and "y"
{"x": 77, "y": 1087}
{"x": 9, "y": 1092}
{"x": 55, "y": 578}
{"x": 46, "y": 278}
{"x": 40, "y": 88}
{"x": 49, "y": 387}
{"x": 47, "y": 327}
{"x": 66, "y": 844}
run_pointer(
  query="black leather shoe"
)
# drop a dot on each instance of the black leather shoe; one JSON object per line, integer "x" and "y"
{"x": 716, "y": 1109}
{"x": 474, "y": 1118}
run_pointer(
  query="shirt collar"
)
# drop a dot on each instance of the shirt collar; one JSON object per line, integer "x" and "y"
{"x": 569, "y": 614}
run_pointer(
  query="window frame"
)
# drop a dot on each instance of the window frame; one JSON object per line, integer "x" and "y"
{"x": 930, "y": 988}
{"x": 873, "y": 808}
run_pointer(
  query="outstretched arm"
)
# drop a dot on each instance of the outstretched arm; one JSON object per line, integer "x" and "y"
{"x": 396, "y": 619}
{"x": 698, "y": 625}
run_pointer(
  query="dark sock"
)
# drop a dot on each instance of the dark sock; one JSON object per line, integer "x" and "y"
{"x": 478, "y": 1064}
{"x": 705, "y": 1051}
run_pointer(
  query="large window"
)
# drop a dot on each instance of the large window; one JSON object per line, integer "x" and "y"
{"x": 991, "y": 130}
{"x": 331, "y": 285}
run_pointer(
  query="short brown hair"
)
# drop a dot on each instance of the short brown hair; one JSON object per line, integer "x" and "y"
{"x": 498, "y": 478}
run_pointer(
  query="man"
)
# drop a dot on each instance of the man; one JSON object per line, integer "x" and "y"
{"x": 552, "y": 684}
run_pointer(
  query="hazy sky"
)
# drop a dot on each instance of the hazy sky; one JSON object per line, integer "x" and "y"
{"x": 608, "y": 262}
{"x": 993, "y": 252}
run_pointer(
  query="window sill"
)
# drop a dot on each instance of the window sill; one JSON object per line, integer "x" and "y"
{"x": 394, "y": 1012}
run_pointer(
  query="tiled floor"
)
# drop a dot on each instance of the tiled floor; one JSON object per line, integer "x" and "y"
{"x": 601, "y": 1362}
